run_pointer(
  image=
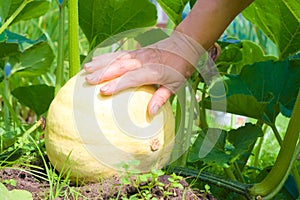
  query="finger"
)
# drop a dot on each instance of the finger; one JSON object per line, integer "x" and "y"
{"x": 159, "y": 98}
{"x": 116, "y": 69}
{"x": 135, "y": 78}
{"x": 104, "y": 60}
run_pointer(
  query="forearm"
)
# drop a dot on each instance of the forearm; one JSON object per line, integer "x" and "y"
{"x": 209, "y": 18}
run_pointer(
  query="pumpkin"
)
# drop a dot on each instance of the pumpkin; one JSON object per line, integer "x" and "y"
{"x": 92, "y": 135}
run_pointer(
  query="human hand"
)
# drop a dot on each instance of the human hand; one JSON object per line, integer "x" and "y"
{"x": 167, "y": 63}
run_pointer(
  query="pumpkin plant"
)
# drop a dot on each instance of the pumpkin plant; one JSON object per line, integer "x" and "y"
{"x": 249, "y": 81}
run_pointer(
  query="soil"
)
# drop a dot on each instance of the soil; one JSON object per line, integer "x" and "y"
{"x": 106, "y": 189}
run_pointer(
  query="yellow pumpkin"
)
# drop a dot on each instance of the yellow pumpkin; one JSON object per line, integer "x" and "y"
{"x": 92, "y": 135}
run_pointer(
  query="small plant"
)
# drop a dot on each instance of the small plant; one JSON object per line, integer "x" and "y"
{"x": 148, "y": 185}
{"x": 11, "y": 182}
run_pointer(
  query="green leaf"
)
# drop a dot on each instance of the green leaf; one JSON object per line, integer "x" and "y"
{"x": 13, "y": 44}
{"x": 264, "y": 89}
{"x": 230, "y": 55}
{"x": 242, "y": 138}
{"x": 20, "y": 194}
{"x": 173, "y": 8}
{"x": 12, "y": 37}
{"x": 235, "y": 56}
{"x": 7, "y": 139}
{"x": 4, "y": 192}
{"x": 217, "y": 155}
{"x": 280, "y": 21}
{"x": 4, "y": 9}
{"x": 14, "y": 194}
{"x": 9, "y": 51}
{"x": 35, "y": 61}
{"x": 101, "y": 19}
{"x": 151, "y": 36}
{"x": 36, "y": 97}
{"x": 33, "y": 9}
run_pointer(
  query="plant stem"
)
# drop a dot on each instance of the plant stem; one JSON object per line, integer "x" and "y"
{"x": 6, "y": 109}
{"x": 285, "y": 158}
{"x": 230, "y": 173}
{"x": 60, "y": 53}
{"x": 257, "y": 151}
{"x": 259, "y": 147}
{"x": 203, "y": 121}
{"x": 277, "y": 135}
{"x": 39, "y": 123}
{"x": 296, "y": 177}
{"x": 73, "y": 38}
{"x": 14, "y": 15}
{"x": 280, "y": 185}
{"x": 179, "y": 125}
{"x": 238, "y": 172}
{"x": 189, "y": 129}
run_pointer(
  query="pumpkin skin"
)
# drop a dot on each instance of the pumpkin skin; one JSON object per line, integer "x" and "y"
{"x": 92, "y": 135}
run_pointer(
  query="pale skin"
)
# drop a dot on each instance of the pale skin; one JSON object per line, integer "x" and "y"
{"x": 159, "y": 65}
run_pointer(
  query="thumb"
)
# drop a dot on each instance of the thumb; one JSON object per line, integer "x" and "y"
{"x": 159, "y": 98}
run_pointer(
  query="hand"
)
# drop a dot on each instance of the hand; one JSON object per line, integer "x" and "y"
{"x": 168, "y": 63}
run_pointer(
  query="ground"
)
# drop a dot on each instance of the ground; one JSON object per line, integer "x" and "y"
{"x": 107, "y": 189}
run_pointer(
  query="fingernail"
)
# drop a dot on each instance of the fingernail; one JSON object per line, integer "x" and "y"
{"x": 88, "y": 78}
{"x": 105, "y": 88}
{"x": 154, "y": 109}
{"x": 86, "y": 66}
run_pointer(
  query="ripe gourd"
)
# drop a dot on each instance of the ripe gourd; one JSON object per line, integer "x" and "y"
{"x": 92, "y": 135}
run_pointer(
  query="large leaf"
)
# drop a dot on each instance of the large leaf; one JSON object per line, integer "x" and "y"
{"x": 36, "y": 97}
{"x": 234, "y": 56}
{"x": 33, "y": 9}
{"x": 8, "y": 52}
{"x": 4, "y": 9}
{"x": 242, "y": 138}
{"x": 12, "y": 37}
{"x": 14, "y": 194}
{"x": 101, "y": 19}
{"x": 12, "y": 45}
{"x": 264, "y": 89}
{"x": 280, "y": 21}
{"x": 173, "y": 8}
{"x": 217, "y": 154}
{"x": 239, "y": 139}
{"x": 151, "y": 36}
{"x": 35, "y": 61}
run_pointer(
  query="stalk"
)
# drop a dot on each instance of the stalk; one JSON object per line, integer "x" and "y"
{"x": 179, "y": 125}
{"x": 14, "y": 15}
{"x": 257, "y": 151}
{"x": 282, "y": 166}
{"x": 230, "y": 174}
{"x": 27, "y": 133}
{"x": 280, "y": 185}
{"x": 276, "y": 133}
{"x": 60, "y": 53}
{"x": 203, "y": 121}
{"x": 6, "y": 108}
{"x": 296, "y": 176}
{"x": 73, "y": 38}
{"x": 238, "y": 172}
{"x": 189, "y": 129}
